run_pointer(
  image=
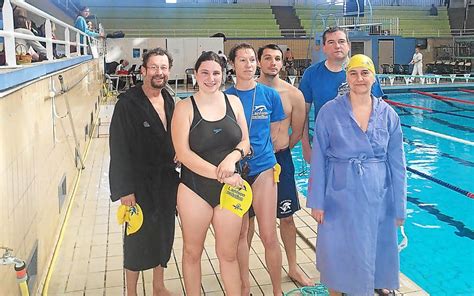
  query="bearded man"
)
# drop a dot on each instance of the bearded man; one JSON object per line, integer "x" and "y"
{"x": 142, "y": 169}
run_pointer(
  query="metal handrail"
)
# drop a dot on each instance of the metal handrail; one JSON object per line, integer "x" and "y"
{"x": 10, "y": 35}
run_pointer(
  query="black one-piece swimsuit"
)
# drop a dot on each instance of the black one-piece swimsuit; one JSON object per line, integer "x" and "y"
{"x": 212, "y": 141}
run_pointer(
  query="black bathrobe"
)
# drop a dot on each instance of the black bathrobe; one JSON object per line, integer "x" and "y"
{"x": 141, "y": 162}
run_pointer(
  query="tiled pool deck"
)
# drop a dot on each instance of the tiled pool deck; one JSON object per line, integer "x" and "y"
{"x": 89, "y": 259}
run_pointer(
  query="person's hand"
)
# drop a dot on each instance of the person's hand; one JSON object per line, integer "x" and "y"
{"x": 400, "y": 222}
{"x": 318, "y": 215}
{"x": 128, "y": 200}
{"x": 235, "y": 180}
{"x": 225, "y": 169}
{"x": 306, "y": 151}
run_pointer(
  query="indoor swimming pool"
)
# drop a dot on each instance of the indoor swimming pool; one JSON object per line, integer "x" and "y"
{"x": 440, "y": 207}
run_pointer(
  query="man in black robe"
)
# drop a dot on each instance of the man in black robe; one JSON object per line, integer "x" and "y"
{"x": 142, "y": 169}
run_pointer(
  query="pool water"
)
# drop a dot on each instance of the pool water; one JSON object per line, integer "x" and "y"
{"x": 440, "y": 222}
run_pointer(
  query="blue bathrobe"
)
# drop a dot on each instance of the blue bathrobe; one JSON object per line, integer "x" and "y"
{"x": 359, "y": 180}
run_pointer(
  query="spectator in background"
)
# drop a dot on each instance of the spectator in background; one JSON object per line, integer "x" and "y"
{"x": 398, "y": 2}
{"x": 417, "y": 62}
{"x": 18, "y": 11}
{"x": 288, "y": 56}
{"x": 111, "y": 67}
{"x": 90, "y": 26}
{"x": 433, "y": 10}
{"x": 123, "y": 64}
{"x": 81, "y": 24}
{"x": 223, "y": 58}
{"x": 42, "y": 33}
{"x": 23, "y": 25}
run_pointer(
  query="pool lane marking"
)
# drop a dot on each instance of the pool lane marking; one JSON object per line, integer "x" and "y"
{"x": 398, "y": 104}
{"x": 466, "y": 90}
{"x": 442, "y": 98}
{"x": 463, "y": 231}
{"x": 443, "y": 154}
{"x": 407, "y": 105}
{"x": 441, "y": 182}
{"x": 425, "y": 131}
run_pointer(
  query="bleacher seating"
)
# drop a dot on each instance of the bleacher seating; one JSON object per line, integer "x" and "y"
{"x": 237, "y": 20}
{"x": 414, "y": 21}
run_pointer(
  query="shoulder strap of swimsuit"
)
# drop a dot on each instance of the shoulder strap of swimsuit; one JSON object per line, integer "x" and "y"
{"x": 197, "y": 115}
{"x": 229, "y": 111}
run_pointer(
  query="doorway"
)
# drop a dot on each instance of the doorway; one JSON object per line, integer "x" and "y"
{"x": 385, "y": 53}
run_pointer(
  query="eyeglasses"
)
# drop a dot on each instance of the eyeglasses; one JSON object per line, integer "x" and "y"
{"x": 154, "y": 68}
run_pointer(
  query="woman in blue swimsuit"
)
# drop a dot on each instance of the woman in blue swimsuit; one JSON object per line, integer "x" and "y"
{"x": 263, "y": 112}
{"x": 210, "y": 136}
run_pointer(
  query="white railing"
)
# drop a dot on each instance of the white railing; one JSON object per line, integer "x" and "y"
{"x": 372, "y": 2}
{"x": 261, "y": 33}
{"x": 9, "y": 33}
{"x": 302, "y": 2}
{"x": 426, "y": 3}
{"x": 437, "y": 33}
{"x": 462, "y": 32}
{"x": 374, "y": 25}
{"x": 398, "y": 79}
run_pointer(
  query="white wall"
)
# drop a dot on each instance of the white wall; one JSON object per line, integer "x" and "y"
{"x": 184, "y": 51}
{"x": 122, "y": 48}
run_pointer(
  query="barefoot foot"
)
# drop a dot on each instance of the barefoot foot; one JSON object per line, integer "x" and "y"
{"x": 299, "y": 277}
{"x": 163, "y": 292}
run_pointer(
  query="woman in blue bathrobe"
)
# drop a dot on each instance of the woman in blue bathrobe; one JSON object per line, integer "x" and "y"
{"x": 357, "y": 189}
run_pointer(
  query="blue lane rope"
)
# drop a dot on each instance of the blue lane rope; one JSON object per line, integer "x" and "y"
{"x": 403, "y": 105}
{"x": 442, "y": 183}
{"x": 462, "y": 229}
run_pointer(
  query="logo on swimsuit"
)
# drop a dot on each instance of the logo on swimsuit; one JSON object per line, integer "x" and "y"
{"x": 260, "y": 112}
{"x": 285, "y": 206}
{"x": 217, "y": 130}
{"x": 146, "y": 124}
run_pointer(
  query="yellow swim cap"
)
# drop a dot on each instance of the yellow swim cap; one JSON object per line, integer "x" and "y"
{"x": 132, "y": 215}
{"x": 236, "y": 200}
{"x": 360, "y": 60}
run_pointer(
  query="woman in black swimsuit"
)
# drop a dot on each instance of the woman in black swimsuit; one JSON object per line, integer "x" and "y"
{"x": 210, "y": 136}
